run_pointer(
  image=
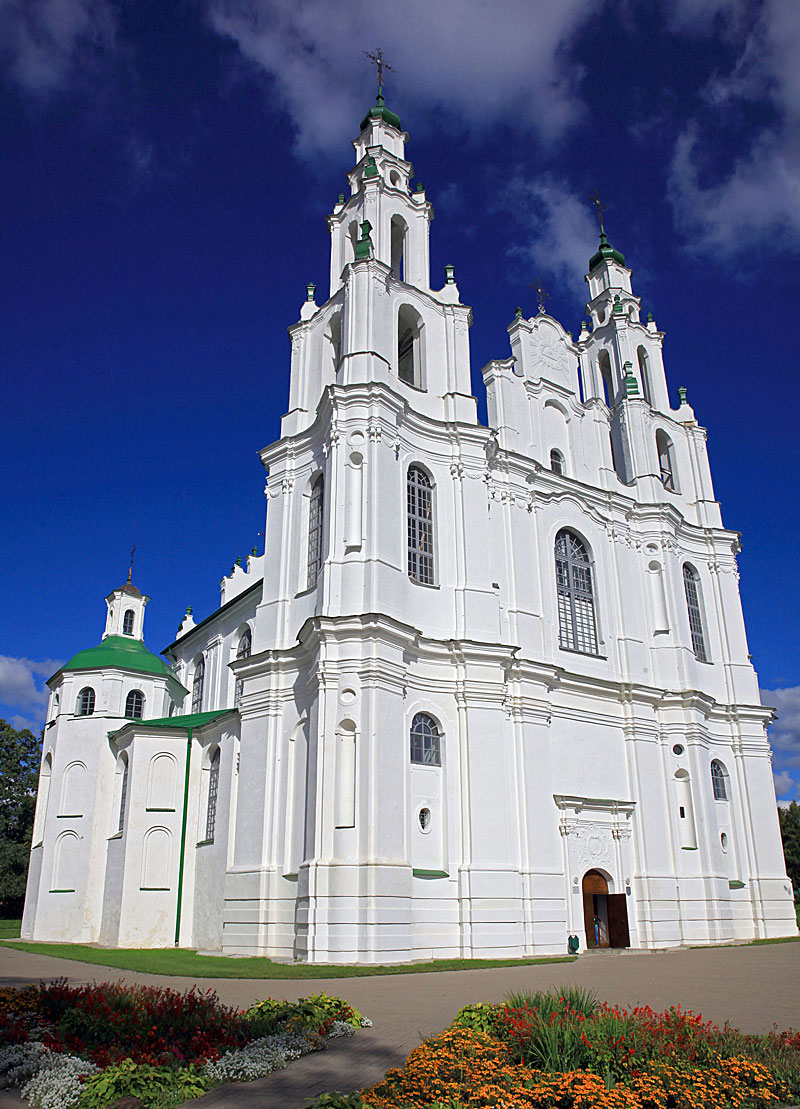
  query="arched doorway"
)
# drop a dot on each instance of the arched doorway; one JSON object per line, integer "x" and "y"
{"x": 605, "y": 914}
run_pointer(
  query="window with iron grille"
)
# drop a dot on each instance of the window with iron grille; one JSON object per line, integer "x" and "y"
{"x": 123, "y": 793}
{"x": 425, "y": 737}
{"x": 691, "y": 585}
{"x": 420, "y": 526}
{"x": 315, "y": 531}
{"x": 127, "y": 622}
{"x": 213, "y": 789}
{"x": 85, "y": 706}
{"x": 242, "y": 651}
{"x": 134, "y": 704}
{"x": 719, "y": 781}
{"x": 197, "y": 685}
{"x": 576, "y": 616}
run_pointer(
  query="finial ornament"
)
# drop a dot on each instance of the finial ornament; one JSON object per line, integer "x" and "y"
{"x": 379, "y": 62}
{"x": 538, "y": 288}
{"x": 599, "y": 208}
{"x": 130, "y": 568}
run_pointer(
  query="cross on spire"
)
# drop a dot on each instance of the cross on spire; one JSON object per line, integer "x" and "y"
{"x": 130, "y": 569}
{"x": 600, "y": 208}
{"x": 377, "y": 60}
{"x": 538, "y": 288}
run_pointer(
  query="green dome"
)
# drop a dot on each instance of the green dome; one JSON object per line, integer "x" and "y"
{"x": 605, "y": 253}
{"x": 379, "y": 111}
{"x": 122, "y": 653}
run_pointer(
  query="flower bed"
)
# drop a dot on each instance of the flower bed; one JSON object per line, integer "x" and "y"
{"x": 88, "y": 1046}
{"x": 565, "y": 1050}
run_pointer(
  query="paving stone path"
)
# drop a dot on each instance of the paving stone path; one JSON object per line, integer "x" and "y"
{"x": 751, "y": 987}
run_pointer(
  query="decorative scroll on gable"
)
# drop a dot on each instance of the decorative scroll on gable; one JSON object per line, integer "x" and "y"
{"x": 549, "y": 354}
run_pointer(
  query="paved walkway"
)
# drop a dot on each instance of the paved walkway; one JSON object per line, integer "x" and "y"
{"x": 751, "y": 987}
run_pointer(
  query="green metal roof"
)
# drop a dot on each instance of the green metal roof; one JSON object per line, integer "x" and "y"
{"x": 605, "y": 253}
{"x": 179, "y": 723}
{"x": 121, "y": 653}
{"x": 380, "y": 111}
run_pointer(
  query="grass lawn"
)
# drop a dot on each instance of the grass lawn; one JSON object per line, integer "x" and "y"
{"x": 9, "y": 929}
{"x": 188, "y": 964}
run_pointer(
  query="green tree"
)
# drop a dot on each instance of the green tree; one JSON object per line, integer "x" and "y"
{"x": 790, "y": 834}
{"x": 20, "y": 752}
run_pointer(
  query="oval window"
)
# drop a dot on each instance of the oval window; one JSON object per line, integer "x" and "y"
{"x": 723, "y": 839}
{"x": 677, "y": 749}
{"x": 424, "y": 819}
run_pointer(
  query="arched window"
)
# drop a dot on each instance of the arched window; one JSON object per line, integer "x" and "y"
{"x": 213, "y": 790}
{"x": 425, "y": 740}
{"x": 576, "y": 616}
{"x": 197, "y": 685}
{"x": 315, "y": 512}
{"x": 334, "y": 337}
{"x": 85, "y": 706}
{"x": 719, "y": 780}
{"x": 419, "y": 494}
{"x": 557, "y": 462}
{"x": 409, "y": 343}
{"x": 134, "y": 704}
{"x": 604, "y": 365}
{"x": 123, "y": 791}
{"x": 666, "y": 461}
{"x": 242, "y": 651}
{"x": 644, "y": 374}
{"x": 127, "y": 622}
{"x": 691, "y": 585}
{"x": 399, "y": 230}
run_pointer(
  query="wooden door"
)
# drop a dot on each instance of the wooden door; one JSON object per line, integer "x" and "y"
{"x": 618, "y": 934}
{"x": 594, "y": 885}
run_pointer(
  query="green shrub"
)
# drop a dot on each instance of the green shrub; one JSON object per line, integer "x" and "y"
{"x": 315, "y": 1013}
{"x": 558, "y": 999}
{"x": 480, "y": 1017}
{"x": 335, "y": 1100}
{"x": 157, "y": 1087}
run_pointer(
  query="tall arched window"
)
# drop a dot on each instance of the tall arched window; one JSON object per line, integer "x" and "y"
{"x": 399, "y": 230}
{"x": 409, "y": 344}
{"x": 315, "y": 514}
{"x": 134, "y": 704}
{"x": 691, "y": 585}
{"x": 576, "y": 617}
{"x": 85, "y": 706}
{"x": 557, "y": 462}
{"x": 666, "y": 461}
{"x": 425, "y": 740}
{"x": 334, "y": 337}
{"x": 242, "y": 651}
{"x": 197, "y": 685}
{"x": 419, "y": 495}
{"x": 127, "y": 622}
{"x": 123, "y": 791}
{"x": 719, "y": 780}
{"x": 213, "y": 790}
{"x": 644, "y": 374}
{"x": 604, "y": 365}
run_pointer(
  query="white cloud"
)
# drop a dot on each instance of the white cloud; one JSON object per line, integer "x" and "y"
{"x": 21, "y": 682}
{"x": 784, "y": 734}
{"x": 560, "y": 233}
{"x": 46, "y": 42}
{"x": 785, "y": 789}
{"x": 478, "y": 60}
{"x": 757, "y": 201}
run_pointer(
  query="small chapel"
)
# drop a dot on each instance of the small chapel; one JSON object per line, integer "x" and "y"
{"x": 487, "y": 691}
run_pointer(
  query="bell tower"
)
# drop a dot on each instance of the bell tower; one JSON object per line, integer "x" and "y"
{"x": 126, "y": 609}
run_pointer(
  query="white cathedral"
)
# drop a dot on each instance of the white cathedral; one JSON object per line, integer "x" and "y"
{"x": 486, "y": 693}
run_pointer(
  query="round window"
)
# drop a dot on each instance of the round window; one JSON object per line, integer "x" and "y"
{"x": 723, "y": 839}
{"x": 424, "y": 819}
{"x": 677, "y": 749}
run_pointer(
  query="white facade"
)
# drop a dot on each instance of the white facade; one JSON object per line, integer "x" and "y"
{"x": 487, "y": 689}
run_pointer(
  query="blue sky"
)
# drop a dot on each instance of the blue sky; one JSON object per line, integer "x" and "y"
{"x": 166, "y": 171}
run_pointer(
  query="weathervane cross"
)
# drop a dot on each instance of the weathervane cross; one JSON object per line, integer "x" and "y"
{"x": 538, "y": 288}
{"x": 599, "y": 207}
{"x": 378, "y": 60}
{"x": 130, "y": 570}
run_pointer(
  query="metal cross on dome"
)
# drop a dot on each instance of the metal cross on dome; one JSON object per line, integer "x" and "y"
{"x": 599, "y": 208}
{"x": 378, "y": 60}
{"x": 130, "y": 570}
{"x": 538, "y": 288}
